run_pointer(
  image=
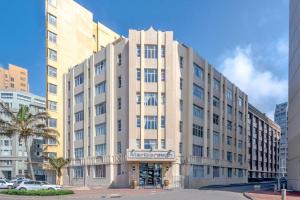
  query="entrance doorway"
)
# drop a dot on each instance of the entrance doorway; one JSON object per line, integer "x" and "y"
{"x": 7, "y": 174}
{"x": 150, "y": 174}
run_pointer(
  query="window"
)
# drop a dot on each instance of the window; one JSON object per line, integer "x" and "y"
{"x": 52, "y": 71}
{"x": 100, "y": 171}
{"x": 119, "y": 104}
{"x": 119, "y": 147}
{"x": 240, "y": 173}
{"x": 52, "y": 2}
{"x": 216, "y": 119}
{"x": 163, "y": 51}
{"x": 181, "y": 62}
{"x": 52, "y": 105}
{"x": 229, "y": 172}
{"x": 119, "y": 169}
{"x": 150, "y": 122}
{"x": 79, "y": 153}
{"x": 119, "y": 82}
{"x": 138, "y": 74}
{"x": 100, "y": 88}
{"x": 240, "y": 116}
{"x": 101, "y": 108}
{"x": 229, "y": 95}
{"x": 216, "y": 138}
{"x": 52, "y": 19}
{"x": 240, "y": 102}
{"x": 78, "y": 172}
{"x": 198, "y": 91}
{"x": 163, "y": 98}
{"x": 119, "y": 59}
{"x": 198, "y": 71}
{"x": 163, "y": 75}
{"x": 229, "y": 156}
{"x": 181, "y": 84}
{"x": 79, "y": 134}
{"x": 79, "y": 116}
{"x": 198, "y": 171}
{"x": 150, "y": 76}
{"x": 119, "y": 125}
{"x": 100, "y": 67}
{"x": 138, "y": 50}
{"x": 162, "y": 122}
{"x": 216, "y": 172}
{"x": 138, "y": 98}
{"x": 100, "y": 129}
{"x": 150, "y": 51}
{"x": 229, "y": 125}
{"x": 149, "y": 144}
{"x": 216, "y": 102}
{"x": 79, "y": 98}
{"x": 52, "y": 37}
{"x": 197, "y": 130}
{"x": 180, "y": 126}
{"x": 229, "y": 109}
{"x": 163, "y": 143}
{"x": 181, "y": 105}
{"x": 240, "y": 158}
{"x": 150, "y": 99}
{"x": 229, "y": 140}
{"x": 52, "y": 54}
{"x": 52, "y": 141}
{"x": 52, "y": 123}
{"x": 240, "y": 130}
{"x": 197, "y": 150}
{"x": 197, "y": 111}
{"x": 79, "y": 79}
{"x": 216, "y": 85}
{"x": 100, "y": 149}
{"x": 216, "y": 154}
{"x": 138, "y": 121}
{"x": 240, "y": 144}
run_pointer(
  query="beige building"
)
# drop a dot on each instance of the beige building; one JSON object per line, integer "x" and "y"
{"x": 14, "y": 78}
{"x": 150, "y": 109}
{"x": 263, "y": 146}
{"x": 71, "y": 36}
{"x": 294, "y": 98}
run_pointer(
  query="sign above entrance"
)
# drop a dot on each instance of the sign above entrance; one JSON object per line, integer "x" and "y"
{"x": 135, "y": 155}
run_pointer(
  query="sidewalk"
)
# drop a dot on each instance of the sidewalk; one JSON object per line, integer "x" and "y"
{"x": 272, "y": 195}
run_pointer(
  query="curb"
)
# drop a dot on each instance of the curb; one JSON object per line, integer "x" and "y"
{"x": 248, "y": 196}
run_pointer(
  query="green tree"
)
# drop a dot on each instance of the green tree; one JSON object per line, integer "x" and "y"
{"x": 26, "y": 126}
{"x": 58, "y": 164}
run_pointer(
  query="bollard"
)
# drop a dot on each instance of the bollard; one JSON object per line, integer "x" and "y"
{"x": 283, "y": 194}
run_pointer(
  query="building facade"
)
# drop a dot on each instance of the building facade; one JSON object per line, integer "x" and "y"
{"x": 281, "y": 118}
{"x": 13, "y": 155}
{"x": 263, "y": 146}
{"x": 14, "y": 78}
{"x": 71, "y": 36}
{"x": 294, "y": 97}
{"x": 149, "y": 109}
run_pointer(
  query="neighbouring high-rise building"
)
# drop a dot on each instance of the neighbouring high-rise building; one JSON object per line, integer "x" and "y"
{"x": 149, "y": 109}
{"x": 281, "y": 118}
{"x": 14, "y": 78}
{"x": 13, "y": 162}
{"x": 71, "y": 36}
{"x": 294, "y": 97}
{"x": 263, "y": 146}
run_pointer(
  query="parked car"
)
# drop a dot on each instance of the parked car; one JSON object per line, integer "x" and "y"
{"x": 4, "y": 184}
{"x": 16, "y": 183}
{"x": 19, "y": 179}
{"x": 37, "y": 185}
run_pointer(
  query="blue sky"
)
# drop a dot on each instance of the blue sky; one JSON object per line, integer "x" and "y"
{"x": 246, "y": 40}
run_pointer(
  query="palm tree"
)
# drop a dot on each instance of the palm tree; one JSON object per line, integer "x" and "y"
{"x": 25, "y": 126}
{"x": 58, "y": 164}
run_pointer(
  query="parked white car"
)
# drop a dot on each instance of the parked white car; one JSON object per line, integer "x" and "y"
{"x": 4, "y": 184}
{"x": 37, "y": 185}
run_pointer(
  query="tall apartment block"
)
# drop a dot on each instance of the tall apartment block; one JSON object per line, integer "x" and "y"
{"x": 13, "y": 155}
{"x": 281, "y": 118}
{"x": 294, "y": 97}
{"x": 71, "y": 36}
{"x": 149, "y": 109}
{"x": 14, "y": 78}
{"x": 263, "y": 146}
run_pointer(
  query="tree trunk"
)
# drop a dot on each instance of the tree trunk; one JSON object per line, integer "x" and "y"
{"x": 29, "y": 159}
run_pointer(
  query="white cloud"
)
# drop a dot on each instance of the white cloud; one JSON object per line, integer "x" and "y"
{"x": 263, "y": 87}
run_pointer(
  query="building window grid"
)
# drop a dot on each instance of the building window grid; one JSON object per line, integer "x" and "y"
{"x": 100, "y": 129}
{"x": 150, "y": 122}
{"x": 79, "y": 79}
{"x": 150, "y": 75}
{"x": 100, "y": 67}
{"x": 150, "y": 51}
